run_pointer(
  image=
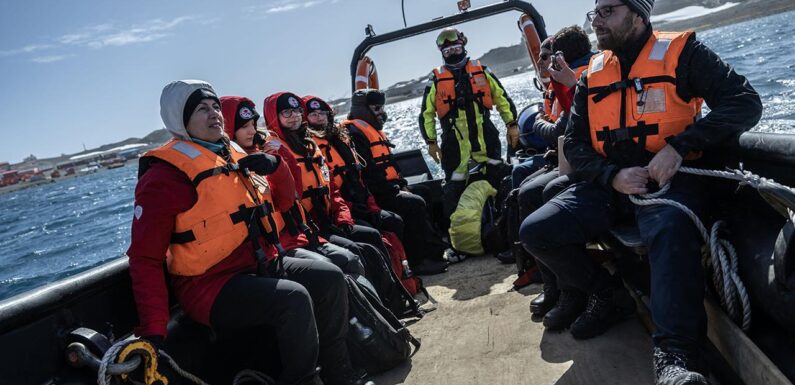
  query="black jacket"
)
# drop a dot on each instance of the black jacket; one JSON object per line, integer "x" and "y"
{"x": 735, "y": 107}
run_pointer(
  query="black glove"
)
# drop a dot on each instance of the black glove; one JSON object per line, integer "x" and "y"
{"x": 259, "y": 138}
{"x": 155, "y": 340}
{"x": 260, "y": 163}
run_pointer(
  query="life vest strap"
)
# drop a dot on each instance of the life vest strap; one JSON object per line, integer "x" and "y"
{"x": 384, "y": 142}
{"x": 604, "y": 91}
{"x": 315, "y": 192}
{"x": 183, "y": 237}
{"x": 641, "y": 131}
{"x": 226, "y": 170}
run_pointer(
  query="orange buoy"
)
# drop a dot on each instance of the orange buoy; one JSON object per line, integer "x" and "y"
{"x": 366, "y": 74}
{"x": 531, "y": 40}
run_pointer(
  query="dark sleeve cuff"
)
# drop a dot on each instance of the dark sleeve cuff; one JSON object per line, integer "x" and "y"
{"x": 679, "y": 145}
{"x": 606, "y": 178}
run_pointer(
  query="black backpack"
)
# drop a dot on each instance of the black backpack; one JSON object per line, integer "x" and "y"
{"x": 377, "y": 340}
{"x": 390, "y": 290}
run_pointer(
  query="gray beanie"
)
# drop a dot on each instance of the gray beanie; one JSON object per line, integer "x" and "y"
{"x": 641, "y": 7}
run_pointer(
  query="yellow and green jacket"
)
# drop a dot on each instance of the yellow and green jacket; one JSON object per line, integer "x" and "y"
{"x": 467, "y": 124}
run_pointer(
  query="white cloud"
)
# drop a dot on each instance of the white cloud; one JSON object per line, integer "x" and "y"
{"x": 104, "y": 35}
{"x": 107, "y": 35}
{"x": 49, "y": 59}
{"x": 26, "y": 49}
{"x": 280, "y": 6}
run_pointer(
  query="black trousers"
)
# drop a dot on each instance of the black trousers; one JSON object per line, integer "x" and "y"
{"x": 533, "y": 193}
{"x": 420, "y": 238}
{"x": 346, "y": 260}
{"x": 307, "y": 310}
{"x": 557, "y": 232}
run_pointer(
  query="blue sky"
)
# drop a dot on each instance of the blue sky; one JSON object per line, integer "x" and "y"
{"x": 90, "y": 72}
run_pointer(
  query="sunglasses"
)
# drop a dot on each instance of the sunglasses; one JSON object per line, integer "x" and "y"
{"x": 603, "y": 12}
{"x": 290, "y": 112}
{"x": 377, "y": 107}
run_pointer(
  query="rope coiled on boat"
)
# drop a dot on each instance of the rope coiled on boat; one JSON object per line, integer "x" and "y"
{"x": 145, "y": 353}
{"x": 722, "y": 255}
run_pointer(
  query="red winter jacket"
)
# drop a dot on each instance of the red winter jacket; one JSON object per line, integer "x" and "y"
{"x": 339, "y": 212}
{"x": 372, "y": 206}
{"x": 162, "y": 192}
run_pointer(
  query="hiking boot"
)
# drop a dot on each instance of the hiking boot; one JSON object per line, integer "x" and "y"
{"x": 672, "y": 368}
{"x": 604, "y": 309}
{"x": 430, "y": 267}
{"x": 545, "y": 301}
{"x": 453, "y": 256}
{"x": 570, "y": 304}
{"x": 506, "y": 257}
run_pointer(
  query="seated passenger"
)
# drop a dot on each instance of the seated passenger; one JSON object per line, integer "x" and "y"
{"x": 424, "y": 246}
{"x": 345, "y": 167}
{"x": 573, "y": 50}
{"x": 296, "y": 238}
{"x": 320, "y": 197}
{"x": 621, "y": 137}
{"x": 231, "y": 281}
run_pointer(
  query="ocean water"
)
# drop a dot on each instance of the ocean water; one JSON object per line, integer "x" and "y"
{"x": 57, "y": 230}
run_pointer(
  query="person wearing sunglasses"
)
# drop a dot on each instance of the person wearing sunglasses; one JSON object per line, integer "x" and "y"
{"x": 461, "y": 94}
{"x": 636, "y": 118}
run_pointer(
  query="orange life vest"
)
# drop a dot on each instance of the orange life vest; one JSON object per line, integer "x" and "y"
{"x": 644, "y": 107}
{"x": 380, "y": 147}
{"x": 445, "y": 88}
{"x": 551, "y": 106}
{"x": 334, "y": 161}
{"x": 216, "y": 225}
{"x": 315, "y": 179}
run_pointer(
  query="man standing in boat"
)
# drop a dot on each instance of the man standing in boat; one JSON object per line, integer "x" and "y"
{"x": 461, "y": 93}
{"x": 634, "y": 121}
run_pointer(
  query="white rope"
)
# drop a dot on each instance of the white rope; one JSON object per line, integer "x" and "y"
{"x": 723, "y": 256}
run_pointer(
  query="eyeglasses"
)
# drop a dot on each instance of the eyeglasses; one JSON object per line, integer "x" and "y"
{"x": 377, "y": 107}
{"x": 317, "y": 114}
{"x": 290, "y": 112}
{"x": 452, "y": 50}
{"x": 447, "y": 36}
{"x": 603, "y": 12}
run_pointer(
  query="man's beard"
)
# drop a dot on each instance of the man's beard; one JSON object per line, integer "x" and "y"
{"x": 617, "y": 38}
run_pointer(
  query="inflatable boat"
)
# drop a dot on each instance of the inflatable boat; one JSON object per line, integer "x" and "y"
{"x": 481, "y": 331}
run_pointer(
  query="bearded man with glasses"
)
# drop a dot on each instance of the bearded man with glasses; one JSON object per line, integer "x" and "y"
{"x": 461, "y": 93}
{"x": 636, "y": 117}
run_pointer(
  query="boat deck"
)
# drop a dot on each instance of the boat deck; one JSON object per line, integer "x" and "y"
{"x": 482, "y": 333}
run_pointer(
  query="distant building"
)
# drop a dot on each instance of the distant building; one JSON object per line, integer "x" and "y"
{"x": 5, "y": 166}
{"x": 30, "y": 158}
{"x": 9, "y": 178}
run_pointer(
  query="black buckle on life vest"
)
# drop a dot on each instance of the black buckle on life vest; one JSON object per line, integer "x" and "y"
{"x": 641, "y": 131}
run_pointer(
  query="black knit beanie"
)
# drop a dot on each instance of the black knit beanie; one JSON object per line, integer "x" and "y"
{"x": 194, "y": 99}
{"x": 245, "y": 111}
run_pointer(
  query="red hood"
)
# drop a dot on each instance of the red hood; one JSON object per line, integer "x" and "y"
{"x": 272, "y": 117}
{"x": 229, "y": 106}
{"x": 305, "y": 101}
